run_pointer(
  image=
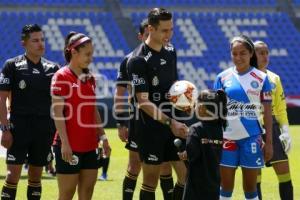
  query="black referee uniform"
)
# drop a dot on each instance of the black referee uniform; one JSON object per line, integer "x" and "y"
{"x": 204, "y": 147}
{"x": 123, "y": 81}
{"x": 33, "y": 129}
{"x": 154, "y": 72}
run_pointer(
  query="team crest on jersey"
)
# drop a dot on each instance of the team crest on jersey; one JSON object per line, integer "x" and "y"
{"x": 228, "y": 83}
{"x": 254, "y": 84}
{"x": 155, "y": 81}
{"x": 22, "y": 84}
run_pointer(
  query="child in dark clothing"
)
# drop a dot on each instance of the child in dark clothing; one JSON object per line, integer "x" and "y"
{"x": 204, "y": 147}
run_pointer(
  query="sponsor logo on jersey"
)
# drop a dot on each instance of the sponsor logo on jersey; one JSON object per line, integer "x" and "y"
{"x": 229, "y": 145}
{"x": 152, "y": 157}
{"x": 137, "y": 81}
{"x": 5, "y": 195}
{"x": 3, "y": 80}
{"x": 155, "y": 81}
{"x": 22, "y": 84}
{"x": 254, "y": 84}
{"x": 253, "y": 92}
{"x": 163, "y": 61}
{"x": 253, "y": 74}
{"x": 148, "y": 56}
{"x": 228, "y": 83}
{"x": 35, "y": 71}
{"x": 240, "y": 109}
{"x": 267, "y": 96}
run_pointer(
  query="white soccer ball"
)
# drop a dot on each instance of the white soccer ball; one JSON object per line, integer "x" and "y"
{"x": 183, "y": 95}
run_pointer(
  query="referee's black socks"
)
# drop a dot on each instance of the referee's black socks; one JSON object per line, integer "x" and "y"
{"x": 167, "y": 186}
{"x": 178, "y": 191}
{"x": 34, "y": 190}
{"x": 9, "y": 191}
{"x": 129, "y": 184}
{"x": 147, "y": 193}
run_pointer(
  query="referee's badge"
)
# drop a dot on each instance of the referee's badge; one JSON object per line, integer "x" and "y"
{"x": 22, "y": 84}
{"x": 155, "y": 81}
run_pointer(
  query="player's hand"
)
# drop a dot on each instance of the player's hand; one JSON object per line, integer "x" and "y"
{"x": 182, "y": 155}
{"x": 286, "y": 142}
{"x": 106, "y": 148}
{"x": 6, "y": 139}
{"x": 268, "y": 151}
{"x": 66, "y": 152}
{"x": 179, "y": 129}
{"x": 123, "y": 133}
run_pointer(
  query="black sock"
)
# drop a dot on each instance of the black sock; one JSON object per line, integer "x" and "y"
{"x": 9, "y": 191}
{"x": 129, "y": 184}
{"x": 34, "y": 190}
{"x": 286, "y": 190}
{"x": 167, "y": 186}
{"x": 178, "y": 191}
{"x": 258, "y": 188}
{"x": 105, "y": 163}
{"x": 147, "y": 193}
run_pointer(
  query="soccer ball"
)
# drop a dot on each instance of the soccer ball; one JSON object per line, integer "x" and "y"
{"x": 183, "y": 95}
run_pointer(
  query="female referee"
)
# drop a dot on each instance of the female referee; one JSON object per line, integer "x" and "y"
{"x": 248, "y": 89}
{"x": 77, "y": 121}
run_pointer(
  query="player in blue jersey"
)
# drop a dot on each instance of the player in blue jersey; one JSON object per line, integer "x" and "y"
{"x": 248, "y": 90}
{"x": 281, "y": 136}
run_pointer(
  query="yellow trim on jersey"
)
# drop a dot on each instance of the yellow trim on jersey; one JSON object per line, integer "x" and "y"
{"x": 278, "y": 99}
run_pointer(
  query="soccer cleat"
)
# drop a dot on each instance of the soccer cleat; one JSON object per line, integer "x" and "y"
{"x": 103, "y": 177}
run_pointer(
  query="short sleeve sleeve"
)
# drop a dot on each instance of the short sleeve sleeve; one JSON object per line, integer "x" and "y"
{"x": 6, "y": 76}
{"x": 218, "y": 83}
{"x": 122, "y": 77}
{"x": 266, "y": 92}
{"x": 59, "y": 85}
{"x": 137, "y": 68}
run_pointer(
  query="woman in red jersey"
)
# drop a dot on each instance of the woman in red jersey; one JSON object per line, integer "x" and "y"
{"x": 77, "y": 121}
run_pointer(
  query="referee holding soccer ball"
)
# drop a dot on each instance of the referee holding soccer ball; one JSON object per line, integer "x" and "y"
{"x": 152, "y": 70}
{"x": 29, "y": 131}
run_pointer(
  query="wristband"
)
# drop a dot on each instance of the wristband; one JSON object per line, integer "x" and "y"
{"x": 5, "y": 128}
{"x": 103, "y": 137}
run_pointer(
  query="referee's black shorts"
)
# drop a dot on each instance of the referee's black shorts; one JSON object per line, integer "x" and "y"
{"x": 132, "y": 143}
{"x": 32, "y": 140}
{"x": 155, "y": 141}
{"x": 279, "y": 154}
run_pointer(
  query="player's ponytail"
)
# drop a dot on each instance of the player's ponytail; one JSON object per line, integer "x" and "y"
{"x": 222, "y": 107}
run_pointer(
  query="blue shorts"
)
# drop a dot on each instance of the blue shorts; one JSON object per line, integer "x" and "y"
{"x": 246, "y": 153}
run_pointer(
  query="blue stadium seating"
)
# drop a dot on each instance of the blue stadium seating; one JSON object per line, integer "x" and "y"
{"x": 63, "y": 3}
{"x": 212, "y": 3}
{"x": 201, "y": 40}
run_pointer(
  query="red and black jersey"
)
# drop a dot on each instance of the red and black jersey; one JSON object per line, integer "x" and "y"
{"x": 79, "y": 108}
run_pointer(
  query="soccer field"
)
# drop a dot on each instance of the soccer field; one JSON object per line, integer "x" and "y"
{"x": 111, "y": 189}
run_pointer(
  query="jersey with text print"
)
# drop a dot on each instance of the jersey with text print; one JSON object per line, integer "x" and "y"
{"x": 245, "y": 92}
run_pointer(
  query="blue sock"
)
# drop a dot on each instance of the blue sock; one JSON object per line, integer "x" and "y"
{"x": 225, "y": 194}
{"x": 251, "y": 195}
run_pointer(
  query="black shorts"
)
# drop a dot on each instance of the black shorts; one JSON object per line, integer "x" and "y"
{"x": 155, "y": 141}
{"x": 82, "y": 160}
{"x": 32, "y": 140}
{"x": 279, "y": 154}
{"x": 132, "y": 143}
